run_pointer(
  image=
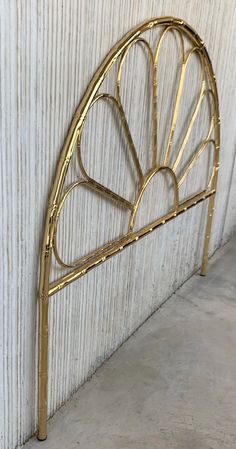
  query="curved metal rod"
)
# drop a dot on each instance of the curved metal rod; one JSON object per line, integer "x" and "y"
{"x": 170, "y": 28}
{"x": 194, "y": 159}
{"x": 118, "y": 83}
{"x": 60, "y": 206}
{"x": 148, "y": 178}
{"x": 191, "y": 122}
{"x": 202, "y": 95}
{"x": 97, "y": 186}
{"x": 123, "y": 121}
{"x": 90, "y": 184}
{"x": 178, "y": 99}
{"x": 164, "y": 32}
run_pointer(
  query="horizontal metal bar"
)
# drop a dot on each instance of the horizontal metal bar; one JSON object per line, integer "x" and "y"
{"x": 120, "y": 244}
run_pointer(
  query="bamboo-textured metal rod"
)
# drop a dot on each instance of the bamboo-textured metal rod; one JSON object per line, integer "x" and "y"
{"x": 122, "y": 243}
{"x": 60, "y": 192}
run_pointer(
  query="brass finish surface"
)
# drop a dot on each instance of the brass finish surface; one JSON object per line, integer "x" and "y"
{"x": 72, "y": 144}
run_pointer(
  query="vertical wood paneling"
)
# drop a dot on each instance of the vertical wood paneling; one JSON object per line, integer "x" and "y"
{"x": 48, "y": 53}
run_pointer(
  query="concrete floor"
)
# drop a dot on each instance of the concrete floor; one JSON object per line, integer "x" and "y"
{"x": 172, "y": 385}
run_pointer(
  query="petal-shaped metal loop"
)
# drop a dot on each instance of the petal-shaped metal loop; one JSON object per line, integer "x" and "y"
{"x": 99, "y": 190}
{"x": 147, "y": 180}
{"x": 140, "y": 111}
{"x": 128, "y": 150}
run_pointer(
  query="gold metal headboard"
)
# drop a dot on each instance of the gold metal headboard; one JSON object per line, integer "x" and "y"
{"x": 73, "y": 144}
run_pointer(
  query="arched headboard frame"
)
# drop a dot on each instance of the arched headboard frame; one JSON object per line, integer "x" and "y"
{"x": 72, "y": 142}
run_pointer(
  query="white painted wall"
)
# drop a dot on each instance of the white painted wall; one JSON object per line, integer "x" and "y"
{"x": 48, "y": 53}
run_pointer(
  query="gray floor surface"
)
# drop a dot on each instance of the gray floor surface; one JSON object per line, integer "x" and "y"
{"x": 172, "y": 385}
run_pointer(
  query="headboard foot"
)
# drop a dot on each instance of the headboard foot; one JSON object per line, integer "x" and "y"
{"x": 210, "y": 212}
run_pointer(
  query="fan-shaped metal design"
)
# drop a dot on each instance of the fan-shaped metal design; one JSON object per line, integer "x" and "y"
{"x": 168, "y": 165}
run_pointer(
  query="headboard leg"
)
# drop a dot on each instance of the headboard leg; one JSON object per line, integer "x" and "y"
{"x": 43, "y": 345}
{"x": 42, "y": 368}
{"x": 210, "y": 212}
